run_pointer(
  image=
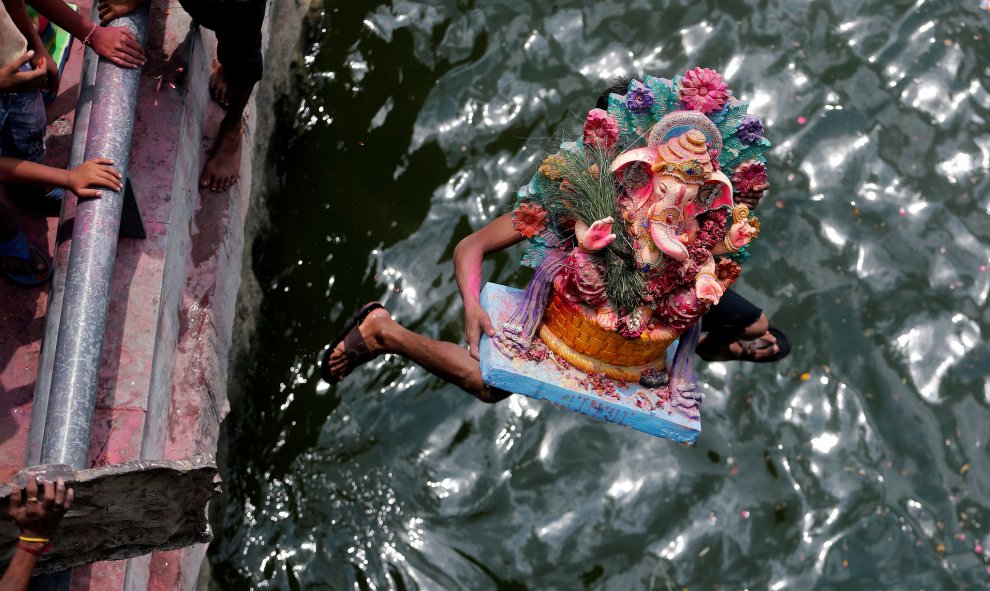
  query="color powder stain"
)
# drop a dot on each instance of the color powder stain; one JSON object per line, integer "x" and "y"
{"x": 802, "y": 120}
{"x": 805, "y": 377}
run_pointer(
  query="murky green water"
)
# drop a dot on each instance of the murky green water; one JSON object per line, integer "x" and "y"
{"x": 860, "y": 462}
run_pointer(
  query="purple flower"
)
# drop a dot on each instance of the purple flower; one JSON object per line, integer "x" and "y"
{"x": 750, "y": 130}
{"x": 640, "y": 98}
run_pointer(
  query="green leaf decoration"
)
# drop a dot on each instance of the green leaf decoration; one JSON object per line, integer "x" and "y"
{"x": 733, "y": 117}
{"x": 627, "y": 127}
{"x": 732, "y": 142}
{"x": 673, "y": 100}
{"x": 664, "y": 97}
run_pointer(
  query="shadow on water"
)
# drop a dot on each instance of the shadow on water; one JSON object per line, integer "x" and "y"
{"x": 858, "y": 463}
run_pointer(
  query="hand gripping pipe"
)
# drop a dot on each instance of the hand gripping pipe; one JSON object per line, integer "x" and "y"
{"x": 76, "y": 368}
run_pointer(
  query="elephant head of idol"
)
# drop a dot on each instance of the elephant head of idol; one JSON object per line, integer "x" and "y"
{"x": 675, "y": 179}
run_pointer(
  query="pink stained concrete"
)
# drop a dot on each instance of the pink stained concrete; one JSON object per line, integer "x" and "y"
{"x": 132, "y": 326}
{"x": 22, "y": 311}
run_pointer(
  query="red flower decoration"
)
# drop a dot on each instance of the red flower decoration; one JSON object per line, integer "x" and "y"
{"x": 703, "y": 90}
{"x": 749, "y": 175}
{"x": 600, "y": 130}
{"x": 529, "y": 219}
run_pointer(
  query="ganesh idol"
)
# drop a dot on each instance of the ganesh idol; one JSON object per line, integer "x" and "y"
{"x": 638, "y": 238}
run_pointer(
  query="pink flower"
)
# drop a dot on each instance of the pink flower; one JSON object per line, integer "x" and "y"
{"x": 749, "y": 175}
{"x": 703, "y": 90}
{"x": 529, "y": 219}
{"x": 600, "y": 130}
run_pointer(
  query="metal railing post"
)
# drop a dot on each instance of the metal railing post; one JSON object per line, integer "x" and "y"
{"x": 76, "y": 370}
{"x": 42, "y": 386}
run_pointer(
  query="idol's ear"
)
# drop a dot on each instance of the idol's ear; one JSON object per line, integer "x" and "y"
{"x": 647, "y": 155}
{"x": 716, "y": 193}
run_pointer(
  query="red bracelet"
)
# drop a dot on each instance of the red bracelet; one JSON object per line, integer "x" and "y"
{"x": 36, "y": 552}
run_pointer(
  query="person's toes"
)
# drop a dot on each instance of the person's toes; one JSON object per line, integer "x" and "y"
{"x": 40, "y": 266}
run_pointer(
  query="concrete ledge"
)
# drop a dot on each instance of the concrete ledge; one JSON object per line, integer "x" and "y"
{"x": 124, "y": 510}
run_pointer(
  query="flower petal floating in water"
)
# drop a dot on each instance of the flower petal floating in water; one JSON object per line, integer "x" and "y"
{"x": 703, "y": 90}
{"x": 640, "y": 98}
{"x": 749, "y": 175}
{"x": 750, "y": 130}
{"x": 600, "y": 130}
{"x": 529, "y": 219}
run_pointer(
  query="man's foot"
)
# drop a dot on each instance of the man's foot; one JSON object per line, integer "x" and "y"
{"x": 769, "y": 347}
{"x": 218, "y": 85}
{"x": 361, "y": 341}
{"x": 22, "y": 262}
{"x": 111, "y": 9}
{"x": 224, "y": 162}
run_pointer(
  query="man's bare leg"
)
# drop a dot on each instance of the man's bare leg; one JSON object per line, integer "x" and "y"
{"x": 444, "y": 360}
{"x": 218, "y": 85}
{"x": 224, "y": 162}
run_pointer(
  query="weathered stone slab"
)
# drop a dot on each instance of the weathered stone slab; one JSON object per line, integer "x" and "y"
{"x": 123, "y": 510}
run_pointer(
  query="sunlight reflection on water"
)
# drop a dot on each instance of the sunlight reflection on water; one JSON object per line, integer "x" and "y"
{"x": 857, "y": 463}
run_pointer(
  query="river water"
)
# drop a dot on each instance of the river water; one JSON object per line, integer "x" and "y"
{"x": 859, "y": 462}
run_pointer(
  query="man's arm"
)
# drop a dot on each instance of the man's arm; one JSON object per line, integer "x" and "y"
{"x": 752, "y": 197}
{"x": 37, "y": 513}
{"x": 116, "y": 44}
{"x": 468, "y": 256}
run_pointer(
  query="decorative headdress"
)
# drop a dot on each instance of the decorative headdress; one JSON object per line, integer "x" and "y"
{"x": 684, "y": 157}
{"x": 664, "y": 116}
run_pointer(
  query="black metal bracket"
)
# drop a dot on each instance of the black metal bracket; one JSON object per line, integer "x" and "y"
{"x": 131, "y": 224}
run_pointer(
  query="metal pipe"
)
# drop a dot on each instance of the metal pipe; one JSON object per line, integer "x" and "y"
{"x": 42, "y": 385}
{"x": 76, "y": 371}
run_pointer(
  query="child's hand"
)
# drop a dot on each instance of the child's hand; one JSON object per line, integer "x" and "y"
{"x": 118, "y": 45}
{"x": 476, "y": 320}
{"x": 42, "y": 60}
{"x": 12, "y": 80}
{"x": 97, "y": 172}
{"x": 111, "y": 9}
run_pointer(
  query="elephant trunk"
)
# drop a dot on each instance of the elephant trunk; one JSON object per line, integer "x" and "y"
{"x": 666, "y": 238}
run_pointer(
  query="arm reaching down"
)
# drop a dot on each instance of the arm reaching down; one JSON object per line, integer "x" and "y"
{"x": 468, "y": 256}
{"x": 82, "y": 180}
{"x": 116, "y": 44}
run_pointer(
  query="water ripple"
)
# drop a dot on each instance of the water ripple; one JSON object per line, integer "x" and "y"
{"x": 860, "y": 462}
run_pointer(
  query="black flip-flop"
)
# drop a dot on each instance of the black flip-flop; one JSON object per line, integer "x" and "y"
{"x": 750, "y": 348}
{"x": 354, "y": 346}
{"x": 18, "y": 247}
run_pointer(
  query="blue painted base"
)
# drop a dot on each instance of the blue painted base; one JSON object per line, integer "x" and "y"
{"x": 548, "y": 380}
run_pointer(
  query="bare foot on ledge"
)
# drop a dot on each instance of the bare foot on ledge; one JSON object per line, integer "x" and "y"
{"x": 224, "y": 163}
